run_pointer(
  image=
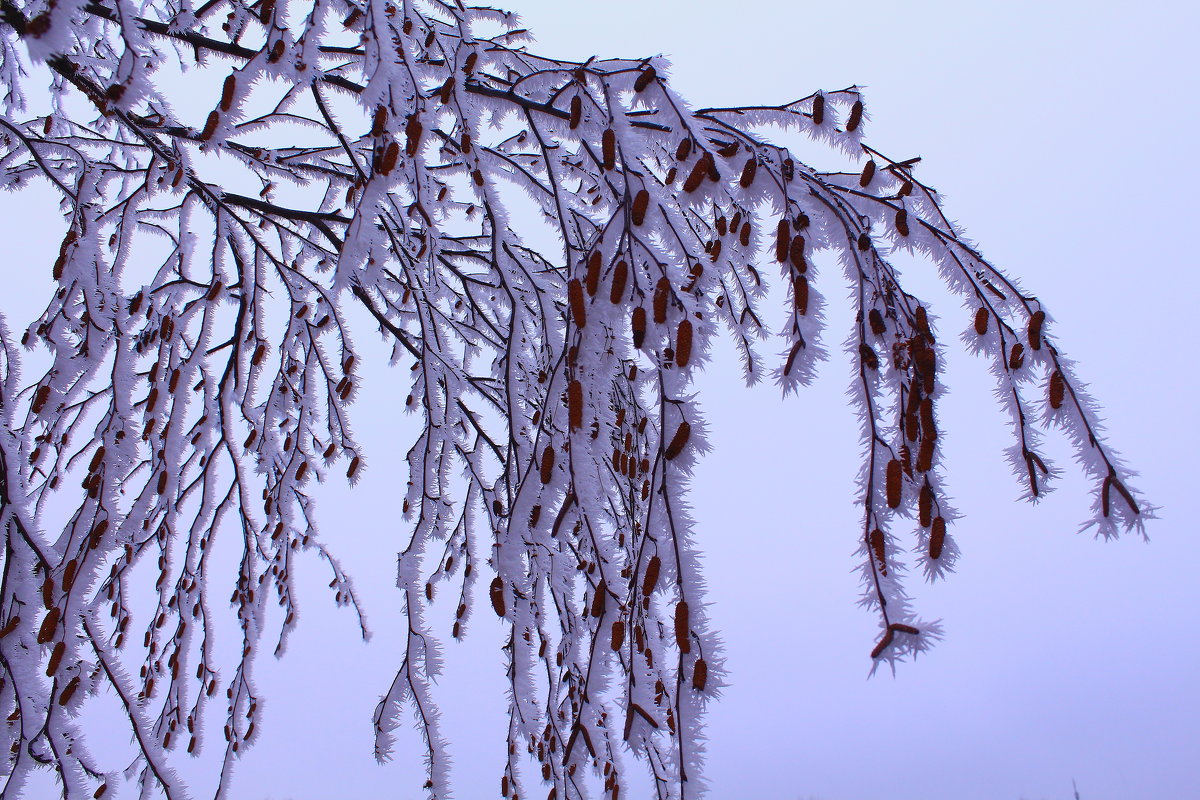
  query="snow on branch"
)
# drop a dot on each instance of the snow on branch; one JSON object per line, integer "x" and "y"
{"x": 362, "y": 155}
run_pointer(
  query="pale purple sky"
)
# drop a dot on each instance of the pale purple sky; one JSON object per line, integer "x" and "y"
{"x": 1056, "y": 132}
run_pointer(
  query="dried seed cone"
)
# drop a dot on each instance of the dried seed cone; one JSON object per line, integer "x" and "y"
{"x": 683, "y": 343}
{"x": 390, "y": 157}
{"x": 883, "y": 643}
{"x": 66, "y": 696}
{"x": 576, "y": 112}
{"x": 744, "y": 234}
{"x": 783, "y": 241}
{"x": 868, "y": 174}
{"x": 1035, "y": 329}
{"x": 684, "y": 150}
{"x": 56, "y": 656}
{"x": 696, "y": 176}
{"x": 682, "y": 627}
{"x": 599, "y": 599}
{"x": 650, "y": 579}
{"x": 894, "y": 473}
{"x": 748, "y": 172}
{"x": 49, "y": 623}
{"x": 227, "y": 92}
{"x": 864, "y": 241}
{"x": 856, "y": 114}
{"x": 796, "y": 254}
{"x": 620, "y": 276}
{"x": 608, "y": 148}
{"x": 877, "y": 550}
{"x": 662, "y": 291}
{"x": 700, "y": 675}
{"x": 678, "y": 441}
{"x": 902, "y": 222}
{"x": 1057, "y": 390}
{"x": 878, "y": 327}
{"x": 593, "y": 273}
{"x": 618, "y": 635}
{"x": 925, "y": 506}
{"x": 937, "y": 538}
{"x": 925, "y": 454}
{"x": 641, "y": 202}
{"x": 981, "y": 321}
{"x": 575, "y": 300}
{"x": 379, "y": 121}
{"x": 575, "y": 405}
{"x": 800, "y": 294}
{"x": 210, "y": 126}
{"x": 645, "y": 79}
{"x": 547, "y": 467}
{"x": 412, "y": 133}
{"x": 1017, "y": 356}
{"x": 639, "y": 327}
{"x": 818, "y": 109}
{"x": 497, "y": 594}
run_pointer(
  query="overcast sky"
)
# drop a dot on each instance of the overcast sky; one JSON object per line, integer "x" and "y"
{"x": 1056, "y": 132}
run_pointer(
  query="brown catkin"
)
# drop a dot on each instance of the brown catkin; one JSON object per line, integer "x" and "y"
{"x": 868, "y": 173}
{"x": 981, "y": 321}
{"x": 700, "y": 675}
{"x": 1017, "y": 356}
{"x": 925, "y": 454}
{"x": 744, "y": 234}
{"x": 379, "y": 121}
{"x": 678, "y": 441}
{"x": 639, "y": 327}
{"x": 592, "y": 282}
{"x": 856, "y": 113}
{"x": 390, "y": 156}
{"x": 683, "y": 343}
{"x": 575, "y": 300}
{"x": 883, "y": 644}
{"x": 547, "y": 464}
{"x": 49, "y": 623}
{"x": 210, "y": 126}
{"x": 902, "y": 222}
{"x": 227, "y": 92}
{"x": 748, "y": 172}
{"x": 412, "y": 133}
{"x": 878, "y": 326}
{"x": 599, "y": 599}
{"x": 575, "y": 405}
{"x": 576, "y": 112}
{"x": 650, "y": 579}
{"x": 682, "y": 627}
{"x": 68, "y": 692}
{"x": 616, "y": 292}
{"x": 1035, "y": 329}
{"x": 644, "y": 80}
{"x": 796, "y": 254}
{"x": 618, "y": 635}
{"x": 925, "y": 506}
{"x": 40, "y": 397}
{"x": 662, "y": 291}
{"x": 608, "y": 148}
{"x": 48, "y": 591}
{"x": 893, "y": 483}
{"x": 696, "y": 176}
{"x": 353, "y": 469}
{"x": 641, "y": 202}
{"x": 684, "y": 150}
{"x": 783, "y": 241}
{"x": 937, "y": 539}
{"x": 864, "y": 241}
{"x": 818, "y": 109}
{"x": 56, "y": 656}
{"x": 800, "y": 294}
{"x": 1057, "y": 389}
{"x": 497, "y": 594}
{"x": 877, "y": 549}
